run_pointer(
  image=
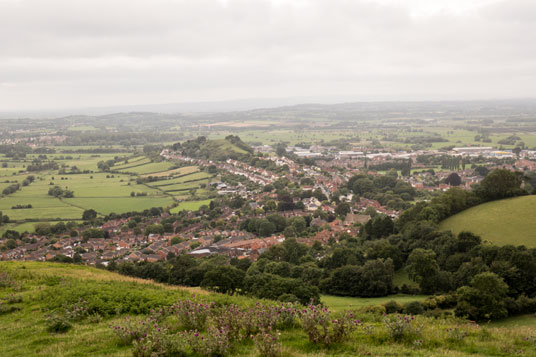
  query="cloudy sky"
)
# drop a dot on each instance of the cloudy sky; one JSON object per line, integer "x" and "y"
{"x": 86, "y": 53}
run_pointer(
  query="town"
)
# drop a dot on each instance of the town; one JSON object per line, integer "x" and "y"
{"x": 322, "y": 191}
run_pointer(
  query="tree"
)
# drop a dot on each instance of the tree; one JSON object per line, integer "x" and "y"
{"x": 481, "y": 170}
{"x": 55, "y": 191}
{"x": 299, "y": 224}
{"x": 11, "y": 244}
{"x": 223, "y": 279}
{"x": 375, "y": 278}
{"x": 500, "y": 184}
{"x": 379, "y": 227}
{"x": 266, "y": 228}
{"x": 280, "y": 149}
{"x": 154, "y": 229}
{"x": 362, "y": 186}
{"x": 342, "y": 209}
{"x": 270, "y": 205}
{"x": 93, "y": 233}
{"x": 423, "y": 268}
{"x": 484, "y": 299}
{"x": 453, "y": 179}
{"x": 89, "y": 215}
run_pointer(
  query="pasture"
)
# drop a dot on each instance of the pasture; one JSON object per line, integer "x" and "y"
{"x": 189, "y": 206}
{"x": 503, "y": 222}
{"x": 104, "y": 192}
{"x": 341, "y": 303}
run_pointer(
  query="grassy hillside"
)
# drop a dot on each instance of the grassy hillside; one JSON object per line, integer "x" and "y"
{"x": 510, "y": 221}
{"x": 216, "y": 150}
{"x": 34, "y": 294}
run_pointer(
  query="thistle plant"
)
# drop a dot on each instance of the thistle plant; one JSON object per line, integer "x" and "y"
{"x": 192, "y": 315}
{"x": 402, "y": 326}
{"x": 320, "y": 327}
{"x": 267, "y": 342}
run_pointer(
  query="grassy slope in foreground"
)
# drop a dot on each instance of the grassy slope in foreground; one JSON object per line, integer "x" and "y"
{"x": 510, "y": 221}
{"x": 23, "y": 332}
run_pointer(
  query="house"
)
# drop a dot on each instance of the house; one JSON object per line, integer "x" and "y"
{"x": 352, "y": 218}
{"x": 311, "y": 204}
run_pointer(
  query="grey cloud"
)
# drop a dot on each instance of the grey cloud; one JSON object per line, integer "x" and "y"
{"x": 102, "y": 52}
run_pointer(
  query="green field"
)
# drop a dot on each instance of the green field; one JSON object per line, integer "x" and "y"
{"x": 510, "y": 221}
{"x": 120, "y": 204}
{"x": 148, "y": 168}
{"x": 30, "y": 289}
{"x": 99, "y": 191}
{"x": 104, "y": 192}
{"x": 340, "y": 303}
{"x": 189, "y": 206}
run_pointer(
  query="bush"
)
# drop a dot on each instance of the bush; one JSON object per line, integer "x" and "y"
{"x": 321, "y": 328}
{"x": 57, "y": 323}
{"x": 455, "y": 334}
{"x": 214, "y": 343}
{"x": 267, "y": 343}
{"x": 105, "y": 298}
{"x": 392, "y": 307}
{"x": 402, "y": 327}
{"x": 192, "y": 315}
{"x": 232, "y": 318}
{"x": 5, "y": 309}
{"x": 130, "y": 330}
{"x": 413, "y": 308}
{"x": 157, "y": 342}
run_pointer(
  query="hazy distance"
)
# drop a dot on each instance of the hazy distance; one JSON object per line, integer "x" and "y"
{"x": 65, "y": 56}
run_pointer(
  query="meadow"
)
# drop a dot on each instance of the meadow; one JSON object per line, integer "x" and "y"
{"x": 509, "y": 221}
{"x": 189, "y": 206}
{"x": 104, "y": 192}
{"x": 33, "y": 292}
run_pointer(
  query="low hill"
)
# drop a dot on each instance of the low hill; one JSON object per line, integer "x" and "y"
{"x": 52, "y": 309}
{"x": 232, "y": 147}
{"x": 509, "y": 221}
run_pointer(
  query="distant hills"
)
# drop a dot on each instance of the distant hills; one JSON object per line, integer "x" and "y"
{"x": 290, "y": 104}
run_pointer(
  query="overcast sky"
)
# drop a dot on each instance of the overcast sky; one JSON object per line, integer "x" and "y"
{"x": 85, "y": 53}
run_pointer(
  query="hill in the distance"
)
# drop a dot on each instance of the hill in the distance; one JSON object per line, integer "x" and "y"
{"x": 232, "y": 147}
{"x": 511, "y": 221}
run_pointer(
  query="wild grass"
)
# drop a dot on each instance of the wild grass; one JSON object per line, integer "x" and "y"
{"x": 509, "y": 221}
{"x": 43, "y": 286}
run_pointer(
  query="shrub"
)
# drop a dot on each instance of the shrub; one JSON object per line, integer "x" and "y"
{"x": 192, "y": 315}
{"x": 57, "y": 323}
{"x": 259, "y": 317}
{"x": 130, "y": 329}
{"x": 392, "y": 307}
{"x": 14, "y": 299}
{"x": 455, "y": 334}
{"x": 157, "y": 342}
{"x": 105, "y": 298}
{"x": 231, "y": 318}
{"x": 77, "y": 311}
{"x": 286, "y": 315}
{"x": 321, "y": 328}
{"x": 413, "y": 308}
{"x": 400, "y": 327}
{"x": 214, "y": 343}
{"x": 6, "y": 281}
{"x": 5, "y": 309}
{"x": 267, "y": 343}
